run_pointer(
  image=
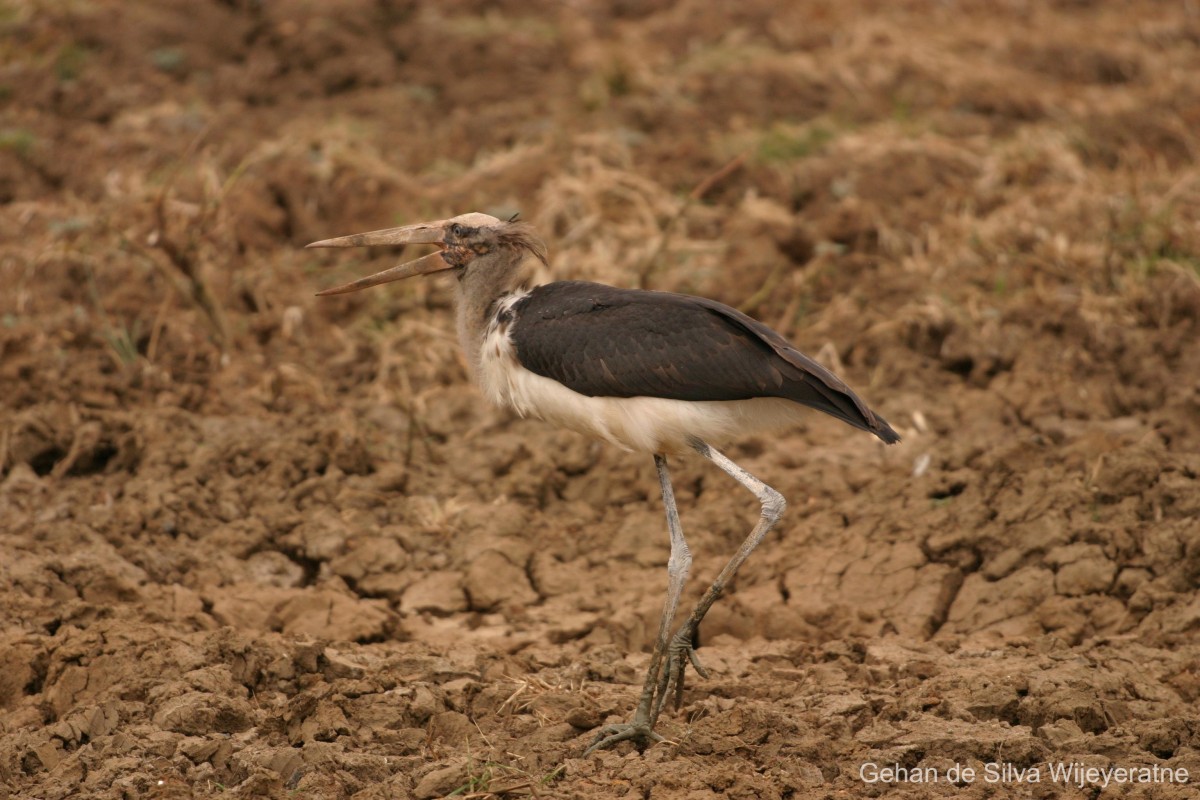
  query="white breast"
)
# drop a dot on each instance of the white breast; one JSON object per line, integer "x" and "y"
{"x": 644, "y": 424}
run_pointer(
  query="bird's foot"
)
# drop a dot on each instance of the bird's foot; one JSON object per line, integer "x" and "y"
{"x": 639, "y": 731}
{"x": 660, "y": 684}
{"x": 679, "y": 654}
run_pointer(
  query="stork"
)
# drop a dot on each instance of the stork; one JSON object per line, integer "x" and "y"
{"x": 648, "y": 371}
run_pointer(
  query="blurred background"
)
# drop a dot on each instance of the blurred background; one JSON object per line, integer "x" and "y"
{"x": 263, "y": 541}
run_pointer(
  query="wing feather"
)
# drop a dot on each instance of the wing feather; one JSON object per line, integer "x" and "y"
{"x": 602, "y": 341}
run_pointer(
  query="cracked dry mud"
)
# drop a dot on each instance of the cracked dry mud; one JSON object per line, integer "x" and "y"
{"x": 255, "y": 543}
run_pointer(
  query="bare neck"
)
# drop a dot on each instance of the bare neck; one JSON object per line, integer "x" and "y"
{"x": 479, "y": 289}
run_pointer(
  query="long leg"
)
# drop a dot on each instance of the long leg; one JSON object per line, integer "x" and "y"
{"x": 680, "y": 561}
{"x": 680, "y": 651}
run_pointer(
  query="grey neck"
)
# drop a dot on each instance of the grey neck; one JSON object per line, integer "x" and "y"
{"x": 479, "y": 289}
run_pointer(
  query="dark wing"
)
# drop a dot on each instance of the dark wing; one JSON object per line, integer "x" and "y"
{"x": 602, "y": 341}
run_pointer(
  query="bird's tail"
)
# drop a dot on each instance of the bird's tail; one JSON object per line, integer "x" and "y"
{"x": 817, "y": 387}
{"x": 844, "y": 404}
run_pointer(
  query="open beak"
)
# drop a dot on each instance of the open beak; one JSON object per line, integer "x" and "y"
{"x": 425, "y": 233}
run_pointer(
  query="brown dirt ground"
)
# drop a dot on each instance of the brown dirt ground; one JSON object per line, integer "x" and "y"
{"x": 257, "y": 543}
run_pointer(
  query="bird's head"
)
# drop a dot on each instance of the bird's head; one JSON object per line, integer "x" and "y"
{"x": 468, "y": 243}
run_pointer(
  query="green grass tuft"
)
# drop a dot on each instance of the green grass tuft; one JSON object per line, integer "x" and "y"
{"x": 782, "y": 143}
{"x": 71, "y": 60}
{"x": 18, "y": 140}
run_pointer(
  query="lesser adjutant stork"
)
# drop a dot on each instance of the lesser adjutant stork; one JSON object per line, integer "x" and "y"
{"x": 648, "y": 371}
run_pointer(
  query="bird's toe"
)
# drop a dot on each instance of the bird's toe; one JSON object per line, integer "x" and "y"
{"x": 609, "y": 735}
{"x": 680, "y": 653}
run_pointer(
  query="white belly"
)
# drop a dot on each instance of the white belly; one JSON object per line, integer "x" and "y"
{"x": 643, "y": 424}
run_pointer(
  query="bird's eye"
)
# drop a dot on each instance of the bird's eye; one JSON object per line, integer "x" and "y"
{"x": 457, "y": 230}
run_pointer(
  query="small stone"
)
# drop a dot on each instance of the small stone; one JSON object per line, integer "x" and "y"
{"x": 337, "y": 666}
{"x": 438, "y": 592}
{"x": 583, "y": 718}
{"x": 49, "y": 753}
{"x": 325, "y": 614}
{"x": 452, "y": 728}
{"x": 441, "y": 782}
{"x": 200, "y": 713}
{"x": 493, "y": 580}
